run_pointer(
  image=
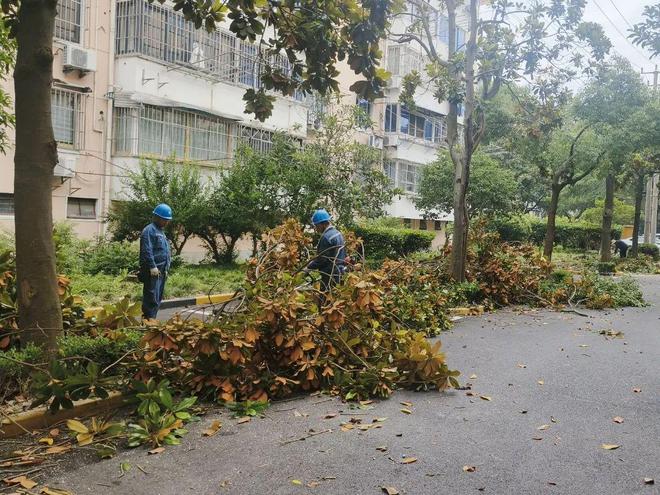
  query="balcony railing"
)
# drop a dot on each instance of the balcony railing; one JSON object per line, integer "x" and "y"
{"x": 160, "y": 33}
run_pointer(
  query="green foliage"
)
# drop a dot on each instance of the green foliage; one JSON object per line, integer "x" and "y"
{"x": 494, "y": 188}
{"x": 385, "y": 242}
{"x": 111, "y": 257}
{"x": 606, "y": 267}
{"x": 647, "y": 33}
{"x": 7, "y": 59}
{"x": 602, "y": 292}
{"x": 179, "y": 185}
{"x": 624, "y": 214}
{"x": 100, "y": 349}
{"x": 641, "y": 264}
{"x": 247, "y": 408}
{"x": 69, "y": 250}
{"x": 517, "y": 228}
{"x": 651, "y": 250}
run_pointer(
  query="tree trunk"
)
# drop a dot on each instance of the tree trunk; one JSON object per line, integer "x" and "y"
{"x": 549, "y": 242}
{"x": 39, "y": 309}
{"x": 462, "y": 162}
{"x": 608, "y": 213}
{"x": 639, "y": 194}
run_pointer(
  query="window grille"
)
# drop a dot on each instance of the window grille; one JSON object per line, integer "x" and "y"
{"x": 6, "y": 204}
{"x": 68, "y": 117}
{"x": 69, "y": 20}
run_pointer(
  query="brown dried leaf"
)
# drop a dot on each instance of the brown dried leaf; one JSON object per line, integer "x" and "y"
{"x": 485, "y": 397}
{"x": 618, "y": 419}
{"x": 54, "y": 432}
{"x": 408, "y": 460}
{"x": 469, "y": 469}
{"x": 157, "y": 450}
{"x": 244, "y": 419}
{"x": 382, "y": 448}
{"x": 610, "y": 446}
{"x": 213, "y": 429}
{"x": 54, "y": 491}
{"x": 537, "y": 438}
{"x": 58, "y": 449}
{"x": 330, "y": 416}
{"x": 390, "y": 490}
{"x": 637, "y": 390}
{"x": 649, "y": 481}
{"x": 22, "y": 480}
{"x": 406, "y": 403}
{"x": 406, "y": 411}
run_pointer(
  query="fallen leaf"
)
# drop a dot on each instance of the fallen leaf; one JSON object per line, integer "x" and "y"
{"x": 379, "y": 420}
{"x": 390, "y": 490}
{"x": 24, "y": 481}
{"x": 366, "y": 402}
{"x": 552, "y": 483}
{"x": 649, "y": 481}
{"x": 382, "y": 448}
{"x": 409, "y": 460}
{"x": 54, "y": 491}
{"x": 543, "y": 427}
{"x": 157, "y": 450}
{"x": 520, "y": 365}
{"x": 297, "y": 414}
{"x": 618, "y": 419}
{"x": 54, "y": 432}
{"x": 330, "y": 416}
{"x": 406, "y": 411}
{"x": 244, "y": 419}
{"x": 213, "y": 429}
{"x": 524, "y": 411}
{"x": 225, "y": 483}
{"x": 124, "y": 468}
{"x": 407, "y": 404}
{"x": 469, "y": 469}
{"x": 584, "y": 345}
{"x": 537, "y": 438}
{"x": 76, "y": 426}
{"x": 313, "y": 484}
{"x": 296, "y": 482}
{"x": 347, "y": 427}
{"x": 541, "y": 382}
{"x": 469, "y": 394}
{"x": 485, "y": 397}
{"x": 47, "y": 441}
{"x": 58, "y": 449}
{"x": 473, "y": 377}
{"x": 637, "y": 390}
{"x": 553, "y": 419}
{"x": 610, "y": 446}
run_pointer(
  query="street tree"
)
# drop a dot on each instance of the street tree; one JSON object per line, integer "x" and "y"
{"x": 177, "y": 184}
{"x": 496, "y": 54}
{"x": 314, "y": 37}
{"x": 611, "y": 103}
{"x": 7, "y": 56}
{"x": 647, "y": 33}
{"x": 494, "y": 188}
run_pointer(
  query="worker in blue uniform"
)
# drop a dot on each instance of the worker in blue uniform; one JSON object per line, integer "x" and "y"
{"x": 155, "y": 259}
{"x": 330, "y": 260}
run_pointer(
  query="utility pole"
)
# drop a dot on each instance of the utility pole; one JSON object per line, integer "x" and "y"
{"x": 651, "y": 205}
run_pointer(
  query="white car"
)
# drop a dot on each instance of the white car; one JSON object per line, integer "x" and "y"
{"x": 640, "y": 240}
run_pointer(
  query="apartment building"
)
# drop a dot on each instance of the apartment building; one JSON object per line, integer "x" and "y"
{"x": 80, "y": 108}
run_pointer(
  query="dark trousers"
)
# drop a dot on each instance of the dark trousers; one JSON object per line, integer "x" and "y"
{"x": 152, "y": 293}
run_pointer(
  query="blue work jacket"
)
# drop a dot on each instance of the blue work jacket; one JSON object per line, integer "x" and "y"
{"x": 330, "y": 254}
{"x": 154, "y": 249}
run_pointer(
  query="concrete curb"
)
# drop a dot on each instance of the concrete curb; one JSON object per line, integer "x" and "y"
{"x": 40, "y": 418}
{"x": 178, "y": 303}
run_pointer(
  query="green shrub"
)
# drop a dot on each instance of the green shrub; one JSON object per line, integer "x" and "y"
{"x": 69, "y": 250}
{"x": 513, "y": 229}
{"x": 618, "y": 294}
{"x": 464, "y": 294}
{"x": 13, "y": 375}
{"x": 102, "y": 350}
{"x": 111, "y": 257}
{"x": 651, "y": 250}
{"x": 606, "y": 267}
{"x": 641, "y": 264}
{"x": 385, "y": 242}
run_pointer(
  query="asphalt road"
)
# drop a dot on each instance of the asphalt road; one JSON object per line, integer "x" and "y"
{"x": 555, "y": 385}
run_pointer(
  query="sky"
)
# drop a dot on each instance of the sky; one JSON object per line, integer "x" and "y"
{"x": 629, "y": 11}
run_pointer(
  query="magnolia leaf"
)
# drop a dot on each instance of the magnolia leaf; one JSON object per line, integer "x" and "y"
{"x": 76, "y": 426}
{"x": 84, "y": 438}
{"x": 24, "y": 481}
{"x": 47, "y": 441}
{"x": 407, "y": 404}
{"x": 213, "y": 429}
{"x": 406, "y": 411}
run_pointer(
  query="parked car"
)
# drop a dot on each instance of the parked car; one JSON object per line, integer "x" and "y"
{"x": 640, "y": 240}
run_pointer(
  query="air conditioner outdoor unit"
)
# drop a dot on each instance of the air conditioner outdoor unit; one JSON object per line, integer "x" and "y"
{"x": 376, "y": 142}
{"x": 392, "y": 141}
{"x": 66, "y": 166}
{"x": 76, "y": 58}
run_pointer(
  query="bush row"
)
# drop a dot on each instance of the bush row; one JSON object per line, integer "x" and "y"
{"x": 576, "y": 235}
{"x": 387, "y": 242}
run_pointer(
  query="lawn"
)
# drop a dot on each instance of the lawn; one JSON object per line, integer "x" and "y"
{"x": 187, "y": 280}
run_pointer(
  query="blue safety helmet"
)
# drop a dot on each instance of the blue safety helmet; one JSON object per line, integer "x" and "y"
{"x": 320, "y": 216}
{"x": 163, "y": 211}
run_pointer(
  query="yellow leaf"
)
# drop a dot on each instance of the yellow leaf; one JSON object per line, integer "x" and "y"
{"x": 24, "y": 481}
{"x": 406, "y": 411}
{"x": 409, "y": 460}
{"x": 610, "y": 446}
{"x": 47, "y": 441}
{"x": 469, "y": 469}
{"x": 296, "y": 482}
{"x": 53, "y": 491}
{"x": 485, "y": 397}
{"x": 84, "y": 438}
{"x": 213, "y": 429}
{"x": 407, "y": 404}
{"x": 541, "y": 382}
{"x": 76, "y": 426}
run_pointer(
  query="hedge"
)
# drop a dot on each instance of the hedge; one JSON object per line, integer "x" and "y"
{"x": 386, "y": 242}
{"x": 649, "y": 250}
{"x": 576, "y": 235}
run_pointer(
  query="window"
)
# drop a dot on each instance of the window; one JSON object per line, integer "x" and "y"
{"x": 443, "y": 29}
{"x": 390, "y": 117}
{"x": 6, "y": 204}
{"x": 164, "y": 132}
{"x": 259, "y": 140}
{"x": 460, "y": 39}
{"x": 438, "y": 225}
{"x": 67, "y": 115}
{"x": 81, "y": 208}
{"x": 394, "y": 59}
{"x": 68, "y": 20}
{"x": 389, "y": 169}
{"x": 364, "y": 116}
{"x": 408, "y": 176}
{"x": 423, "y": 225}
{"x": 423, "y": 124}
{"x": 407, "y": 223}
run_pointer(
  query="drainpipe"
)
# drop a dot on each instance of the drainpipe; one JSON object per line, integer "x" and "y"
{"x": 107, "y": 154}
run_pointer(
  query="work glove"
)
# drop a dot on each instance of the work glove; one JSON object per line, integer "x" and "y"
{"x": 155, "y": 272}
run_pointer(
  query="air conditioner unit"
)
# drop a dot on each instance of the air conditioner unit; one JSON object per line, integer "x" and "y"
{"x": 66, "y": 166}
{"x": 391, "y": 141}
{"x": 76, "y": 58}
{"x": 376, "y": 142}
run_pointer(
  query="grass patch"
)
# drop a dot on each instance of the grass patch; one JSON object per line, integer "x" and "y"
{"x": 188, "y": 280}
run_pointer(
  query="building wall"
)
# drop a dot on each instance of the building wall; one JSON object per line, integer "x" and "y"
{"x": 87, "y": 156}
